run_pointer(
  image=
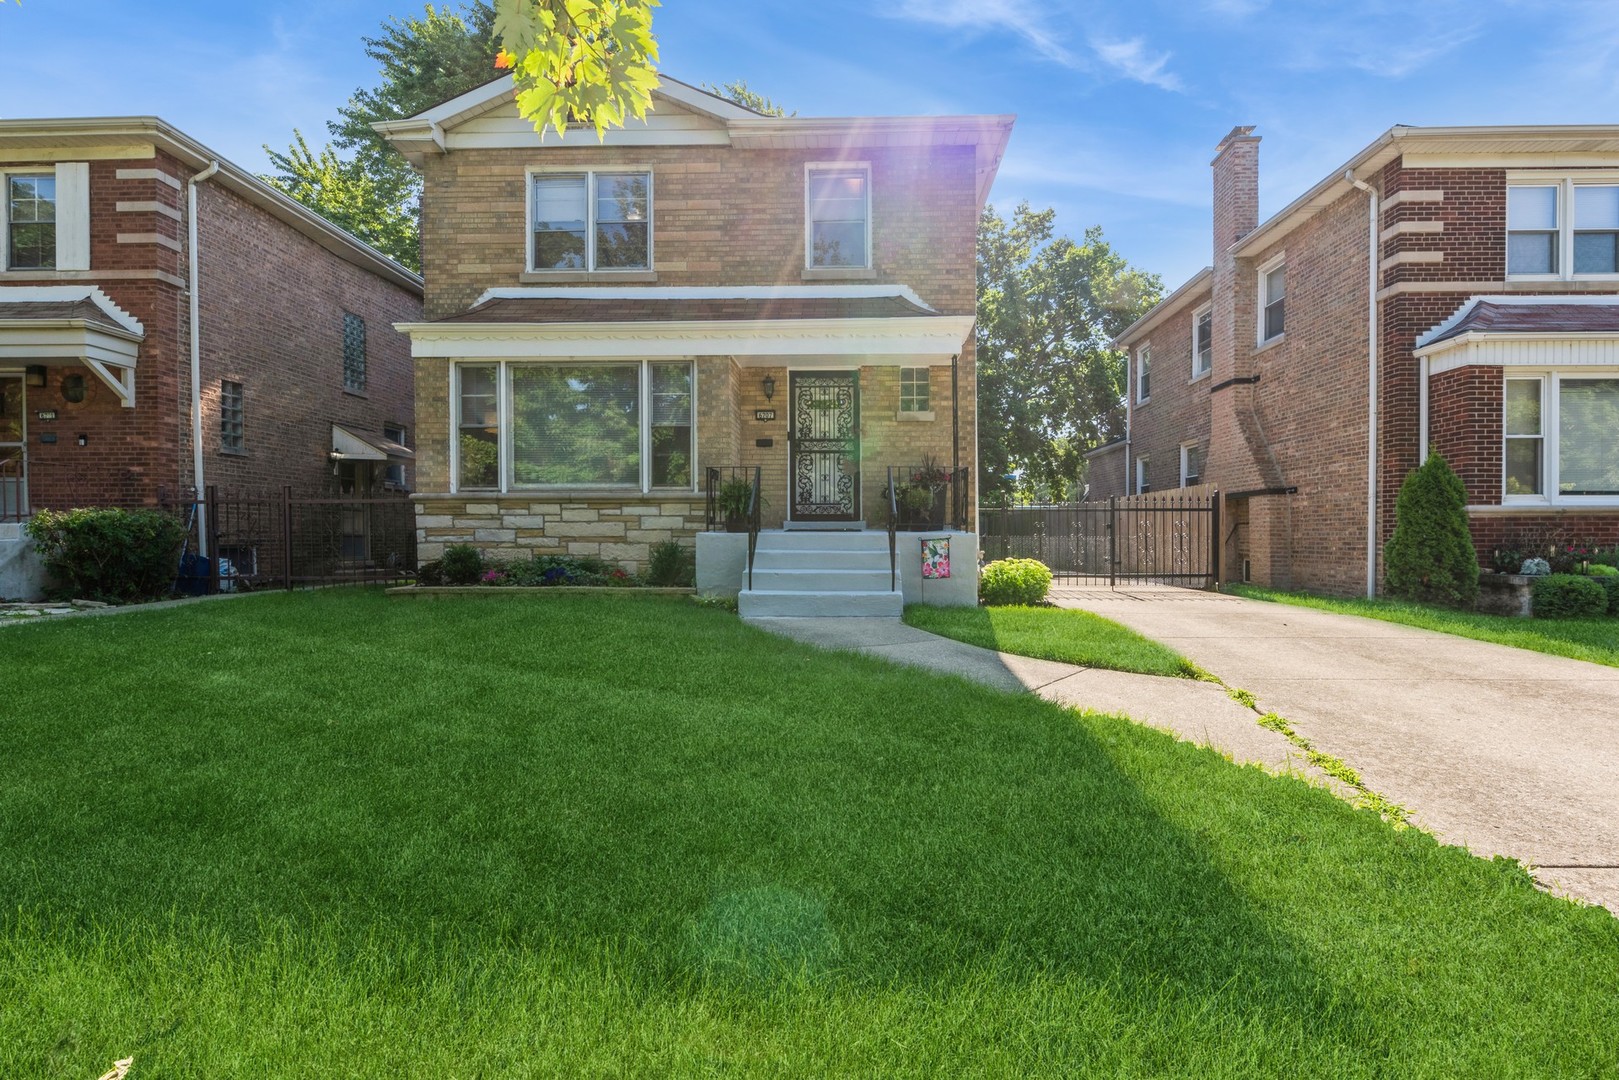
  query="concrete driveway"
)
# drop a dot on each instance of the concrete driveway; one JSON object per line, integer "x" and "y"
{"x": 1504, "y": 751}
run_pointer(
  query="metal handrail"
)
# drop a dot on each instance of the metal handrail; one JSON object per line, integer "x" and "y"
{"x": 952, "y": 482}
{"x": 754, "y": 508}
{"x": 13, "y": 487}
{"x": 893, "y": 531}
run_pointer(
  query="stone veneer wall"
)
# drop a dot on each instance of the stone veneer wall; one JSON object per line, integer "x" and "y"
{"x": 619, "y": 528}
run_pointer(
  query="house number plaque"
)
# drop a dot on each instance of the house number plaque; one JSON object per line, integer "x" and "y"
{"x": 764, "y": 414}
{"x": 45, "y": 414}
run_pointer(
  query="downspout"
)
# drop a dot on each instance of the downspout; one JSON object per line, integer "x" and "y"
{"x": 196, "y": 355}
{"x": 1371, "y": 379}
{"x": 1129, "y": 414}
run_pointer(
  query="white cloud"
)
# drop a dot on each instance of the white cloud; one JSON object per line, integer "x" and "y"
{"x": 1026, "y": 18}
{"x": 1132, "y": 59}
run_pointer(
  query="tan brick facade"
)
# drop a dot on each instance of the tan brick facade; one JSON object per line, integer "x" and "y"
{"x": 1287, "y": 420}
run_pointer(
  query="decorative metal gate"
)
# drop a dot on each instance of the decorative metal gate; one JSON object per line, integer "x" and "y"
{"x": 825, "y": 439}
{"x": 1168, "y": 538}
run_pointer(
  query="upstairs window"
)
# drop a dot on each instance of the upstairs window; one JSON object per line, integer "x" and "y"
{"x": 1272, "y": 298}
{"x": 591, "y": 221}
{"x": 913, "y": 390}
{"x": 1563, "y": 230}
{"x": 230, "y": 418}
{"x": 1143, "y": 374}
{"x": 353, "y": 353}
{"x": 838, "y": 217}
{"x": 30, "y": 222}
{"x": 1191, "y": 465}
{"x": 1202, "y": 342}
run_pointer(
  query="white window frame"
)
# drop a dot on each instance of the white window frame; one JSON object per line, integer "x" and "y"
{"x": 389, "y": 467}
{"x": 927, "y": 390}
{"x": 1265, "y": 270}
{"x": 590, "y": 221}
{"x": 810, "y": 169}
{"x": 1551, "y": 383}
{"x": 1186, "y": 450}
{"x": 5, "y": 218}
{"x": 1566, "y": 184}
{"x": 1143, "y": 474}
{"x": 1144, "y": 368}
{"x": 1204, "y": 312}
{"x": 503, "y": 423}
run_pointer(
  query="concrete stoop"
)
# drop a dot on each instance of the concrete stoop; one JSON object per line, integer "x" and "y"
{"x": 805, "y": 574}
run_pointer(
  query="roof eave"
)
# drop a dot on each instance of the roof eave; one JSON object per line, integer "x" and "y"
{"x": 1192, "y": 288}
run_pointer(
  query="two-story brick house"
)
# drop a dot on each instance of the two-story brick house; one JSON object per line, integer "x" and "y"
{"x": 608, "y": 319}
{"x": 169, "y": 321}
{"x": 1453, "y": 288}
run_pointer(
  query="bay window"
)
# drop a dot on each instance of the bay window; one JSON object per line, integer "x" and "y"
{"x": 611, "y": 424}
{"x": 1559, "y": 443}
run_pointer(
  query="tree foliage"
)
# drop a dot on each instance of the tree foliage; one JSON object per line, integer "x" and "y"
{"x": 1430, "y": 556}
{"x": 739, "y": 93}
{"x": 590, "y": 61}
{"x": 1050, "y": 385}
{"x": 373, "y": 192}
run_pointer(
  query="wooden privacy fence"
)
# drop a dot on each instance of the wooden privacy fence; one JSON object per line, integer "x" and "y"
{"x": 1161, "y": 537}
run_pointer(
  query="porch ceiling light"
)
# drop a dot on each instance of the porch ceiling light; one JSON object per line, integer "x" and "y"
{"x": 73, "y": 388}
{"x": 769, "y": 385}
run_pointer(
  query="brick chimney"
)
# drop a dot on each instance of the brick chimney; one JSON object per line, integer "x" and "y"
{"x": 1236, "y": 214}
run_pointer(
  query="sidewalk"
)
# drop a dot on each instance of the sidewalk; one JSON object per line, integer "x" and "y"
{"x": 1198, "y": 712}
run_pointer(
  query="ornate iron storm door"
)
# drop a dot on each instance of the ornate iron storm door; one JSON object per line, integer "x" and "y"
{"x": 825, "y": 440}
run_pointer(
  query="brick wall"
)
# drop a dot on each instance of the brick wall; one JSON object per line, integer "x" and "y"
{"x": 1178, "y": 410}
{"x": 1465, "y": 419}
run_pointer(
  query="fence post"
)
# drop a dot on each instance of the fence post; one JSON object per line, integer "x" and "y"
{"x": 286, "y": 536}
{"x": 1112, "y": 541}
{"x": 211, "y": 497}
{"x": 1214, "y": 541}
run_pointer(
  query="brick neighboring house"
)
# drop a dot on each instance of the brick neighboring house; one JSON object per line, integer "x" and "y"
{"x": 303, "y": 381}
{"x": 710, "y": 288}
{"x": 1469, "y": 275}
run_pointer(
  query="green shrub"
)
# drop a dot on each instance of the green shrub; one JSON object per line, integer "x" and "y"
{"x": 671, "y": 564}
{"x": 1430, "y": 557}
{"x": 1610, "y": 589}
{"x": 114, "y": 556}
{"x": 1597, "y": 569}
{"x": 1014, "y": 581}
{"x": 430, "y": 573}
{"x": 1569, "y": 596}
{"x": 462, "y": 565}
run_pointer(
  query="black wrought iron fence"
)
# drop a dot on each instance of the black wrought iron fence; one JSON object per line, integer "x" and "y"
{"x": 928, "y": 496}
{"x": 1164, "y": 538}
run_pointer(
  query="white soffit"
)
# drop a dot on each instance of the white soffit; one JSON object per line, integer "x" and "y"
{"x": 705, "y": 292}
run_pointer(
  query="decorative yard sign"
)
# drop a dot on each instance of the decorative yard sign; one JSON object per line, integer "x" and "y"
{"x": 936, "y": 558}
{"x": 764, "y": 414}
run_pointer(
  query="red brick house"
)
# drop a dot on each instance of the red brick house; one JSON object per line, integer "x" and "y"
{"x": 1454, "y": 288}
{"x": 606, "y": 320}
{"x": 168, "y": 321}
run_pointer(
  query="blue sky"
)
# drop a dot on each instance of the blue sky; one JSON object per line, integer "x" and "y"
{"x": 1119, "y": 105}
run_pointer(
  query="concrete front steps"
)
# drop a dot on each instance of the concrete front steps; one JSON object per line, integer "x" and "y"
{"x": 804, "y": 574}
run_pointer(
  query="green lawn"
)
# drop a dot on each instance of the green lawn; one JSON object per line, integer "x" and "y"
{"x": 1596, "y": 640}
{"x": 1072, "y": 637}
{"x": 334, "y": 834}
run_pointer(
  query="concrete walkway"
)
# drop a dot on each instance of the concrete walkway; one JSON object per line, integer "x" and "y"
{"x": 1502, "y": 750}
{"x": 1199, "y": 712}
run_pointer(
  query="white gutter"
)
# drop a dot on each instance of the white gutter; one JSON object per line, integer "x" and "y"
{"x": 196, "y": 354}
{"x": 1371, "y": 380}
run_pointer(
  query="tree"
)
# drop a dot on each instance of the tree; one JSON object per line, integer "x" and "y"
{"x": 591, "y": 61}
{"x": 739, "y": 93}
{"x": 1430, "y": 556}
{"x": 374, "y": 193}
{"x": 1050, "y": 384}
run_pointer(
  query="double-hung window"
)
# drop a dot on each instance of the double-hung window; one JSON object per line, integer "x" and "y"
{"x": 1191, "y": 465}
{"x": 1143, "y": 374}
{"x": 1562, "y": 229}
{"x": 1143, "y": 476}
{"x": 1272, "y": 297}
{"x": 837, "y": 216}
{"x": 1558, "y": 439}
{"x": 1202, "y": 342}
{"x": 30, "y": 221}
{"x": 590, "y": 221}
{"x": 608, "y": 424}
{"x": 393, "y": 473}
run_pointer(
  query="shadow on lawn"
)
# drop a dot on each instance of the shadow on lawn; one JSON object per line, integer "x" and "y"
{"x": 737, "y": 807}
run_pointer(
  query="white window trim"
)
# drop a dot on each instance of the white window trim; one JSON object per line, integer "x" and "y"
{"x": 927, "y": 384}
{"x": 590, "y": 221}
{"x": 1551, "y": 380}
{"x": 1185, "y": 447}
{"x": 1143, "y": 463}
{"x": 1265, "y": 269}
{"x": 503, "y": 414}
{"x": 1565, "y": 185}
{"x": 1144, "y": 363}
{"x": 811, "y": 168}
{"x": 1197, "y": 316}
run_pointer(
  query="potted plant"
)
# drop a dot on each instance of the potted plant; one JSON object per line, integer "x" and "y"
{"x": 733, "y": 500}
{"x": 917, "y": 504}
{"x": 923, "y": 500}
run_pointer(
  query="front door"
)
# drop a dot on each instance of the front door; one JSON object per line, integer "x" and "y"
{"x": 13, "y": 444}
{"x": 825, "y": 438}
